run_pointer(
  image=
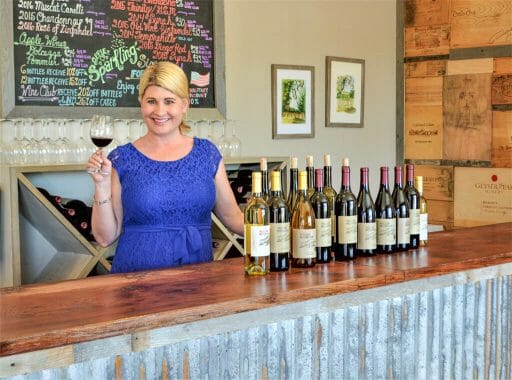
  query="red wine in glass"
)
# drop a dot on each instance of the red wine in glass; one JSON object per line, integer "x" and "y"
{"x": 101, "y": 142}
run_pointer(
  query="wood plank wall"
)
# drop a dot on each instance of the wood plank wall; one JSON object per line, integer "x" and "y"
{"x": 455, "y": 63}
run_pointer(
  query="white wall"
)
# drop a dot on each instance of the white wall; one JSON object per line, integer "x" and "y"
{"x": 303, "y": 32}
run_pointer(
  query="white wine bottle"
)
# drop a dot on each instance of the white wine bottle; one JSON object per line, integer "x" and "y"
{"x": 303, "y": 228}
{"x": 256, "y": 231}
{"x": 418, "y": 184}
{"x": 265, "y": 192}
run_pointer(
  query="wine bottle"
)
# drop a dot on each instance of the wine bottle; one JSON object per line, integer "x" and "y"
{"x": 310, "y": 170}
{"x": 294, "y": 178}
{"x": 414, "y": 207}
{"x": 401, "y": 205}
{"x": 330, "y": 193}
{"x": 346, "y": 218}
{"x": 303, "y": 228}
{"x": 385, "y": 213}
{"x": 265, "y": 193}
{"x": 280, "y": 219}
{"x": 256, "y": 231}
{"x": 366, "y": 223}
{"x": 320, "y": 205}
{"x": 423, "y": 211}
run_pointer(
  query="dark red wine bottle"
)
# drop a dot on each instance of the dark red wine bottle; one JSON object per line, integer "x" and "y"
{"x": 401, "y": 205}
{"x": 414, "y": 208}
{"x": 346, "y": 218}
{"x": 280, "y": 219}
{"x": 294, "y": 181}
{"x": 322, "y": 211}
{"x": 366, "y": 221}
{"x": 385, "y": 213}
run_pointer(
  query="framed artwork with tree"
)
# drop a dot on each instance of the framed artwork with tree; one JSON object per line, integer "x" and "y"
{"x": 293, "y": 108}
{"x": 344, "y": 92}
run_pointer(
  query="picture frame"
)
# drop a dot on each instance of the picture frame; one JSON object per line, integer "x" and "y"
{"x": 344, "y": 92}
{"x": 293, "y": 108}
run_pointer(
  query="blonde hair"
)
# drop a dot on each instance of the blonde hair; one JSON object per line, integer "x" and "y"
{"x": 169, "y": 76}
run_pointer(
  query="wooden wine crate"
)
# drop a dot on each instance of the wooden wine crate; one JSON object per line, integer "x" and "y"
{"x": 424, "y": 91}
{"x": 423, "y": 137}
{"x": 480, "y": 23}
{"x": 467, "y": 125}
{"x": 502, "y": 139}
{"x": 430, "y": 40}
{"x": 434, "y": 68}
{"x": 440, "y": 212}
{"x": 482, "y": 196}
{"x": 437, "y": 181}
{"x": 470, "y": 66}
{"x": 426, "y": 12}
{"x": 501, "y": 92}
{"x": 502, "y": 65}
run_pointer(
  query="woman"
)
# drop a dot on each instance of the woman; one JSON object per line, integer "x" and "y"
{"x": 161, "y": 189}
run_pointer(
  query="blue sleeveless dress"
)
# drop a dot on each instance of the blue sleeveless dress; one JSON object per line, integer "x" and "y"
{"x": 167, "y": 208}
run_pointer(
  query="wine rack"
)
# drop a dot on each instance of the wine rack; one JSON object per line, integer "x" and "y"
{"x": 41, "y": 245}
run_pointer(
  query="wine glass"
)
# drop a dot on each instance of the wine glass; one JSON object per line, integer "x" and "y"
{"x": 101, "y": 132}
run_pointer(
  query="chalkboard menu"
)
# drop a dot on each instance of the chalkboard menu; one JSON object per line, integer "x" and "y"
{"x": 91, "y": 53}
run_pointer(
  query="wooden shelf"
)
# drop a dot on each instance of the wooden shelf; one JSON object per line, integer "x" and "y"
{"x": 44, "y": 246}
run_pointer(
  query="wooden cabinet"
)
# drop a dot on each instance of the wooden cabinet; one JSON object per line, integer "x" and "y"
{"x": 41, "y": 245}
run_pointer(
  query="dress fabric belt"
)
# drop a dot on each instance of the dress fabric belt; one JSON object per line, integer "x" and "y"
{"x": 187, "y": 240}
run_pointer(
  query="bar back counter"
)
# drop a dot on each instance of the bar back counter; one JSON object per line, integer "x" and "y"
{"x": 442, "y": 311}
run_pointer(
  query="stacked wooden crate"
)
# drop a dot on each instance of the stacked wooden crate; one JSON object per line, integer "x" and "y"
{"x": 458, "y": 107}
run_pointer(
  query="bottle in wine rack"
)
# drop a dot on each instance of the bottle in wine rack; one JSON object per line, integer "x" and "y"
{"x": 345, "y": 209}
{"x": 294, "y": 181}
{"x": 385, "y": 213}
{"x": 418, "y": 183}
{"x": 322, "y": 211}
{"x": 303, "y": 228}
{"x": 256, "y": 231}
{"x": 366, "y": 221}
{"x": 331, "y": 194}
{"x": 414, "y": 207}
{"x": 280, "y": 218}
{"x": 401, "y": 205}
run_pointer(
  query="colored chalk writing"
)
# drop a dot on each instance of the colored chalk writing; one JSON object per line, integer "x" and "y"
{"x": 82, "y": 53}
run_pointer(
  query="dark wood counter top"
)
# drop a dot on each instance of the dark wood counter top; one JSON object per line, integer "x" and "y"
{"x": 40, "y": 316}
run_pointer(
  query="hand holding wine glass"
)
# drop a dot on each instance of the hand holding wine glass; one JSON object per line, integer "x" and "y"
{"x": 102, "y": 134}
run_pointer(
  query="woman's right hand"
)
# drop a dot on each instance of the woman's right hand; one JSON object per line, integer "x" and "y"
{"x": 99, "y": 166}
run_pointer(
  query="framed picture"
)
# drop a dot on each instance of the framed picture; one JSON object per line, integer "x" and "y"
{"x": 344, "y": 92}
{"x": 293, "y": 108}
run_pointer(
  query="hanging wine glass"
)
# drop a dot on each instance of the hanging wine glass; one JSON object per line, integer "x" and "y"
{"x": 235, "y": 145}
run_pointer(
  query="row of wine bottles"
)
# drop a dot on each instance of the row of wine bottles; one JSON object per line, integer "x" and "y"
{"x": 316, "y": 224}
{"x": 74, "y": 210}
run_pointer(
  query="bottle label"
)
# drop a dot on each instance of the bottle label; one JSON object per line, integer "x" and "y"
{"x": 414, "y": 220}
{"x": 386, "y": 231}
{"x": 257, "y": 240}
{"x": 323, "y": 232}
{"x": 424, "y": 227}
{"x": 366, "y": 235}
{"x": 347, "y": 229}
{"x": 402, "y": 231}
{"x": 304, "y": 243}
{"x": 279, "y": 237}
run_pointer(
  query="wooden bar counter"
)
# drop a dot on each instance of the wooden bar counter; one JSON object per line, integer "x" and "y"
{"x": 444, "y": 310}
